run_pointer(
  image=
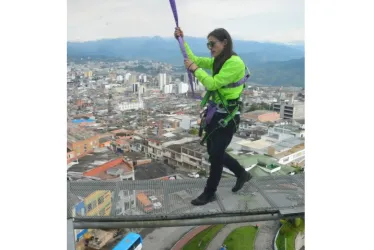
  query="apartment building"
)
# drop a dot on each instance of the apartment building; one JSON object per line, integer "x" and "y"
{"x": 80, "y": 142}
{"x": 294, "y": 110}
{"x": 189, "y": 155}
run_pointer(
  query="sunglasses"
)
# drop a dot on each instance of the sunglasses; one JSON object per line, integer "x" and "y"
{"x": 210, "y": 44}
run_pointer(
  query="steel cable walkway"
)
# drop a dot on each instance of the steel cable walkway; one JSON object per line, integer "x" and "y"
{"x": 264, "y": 198}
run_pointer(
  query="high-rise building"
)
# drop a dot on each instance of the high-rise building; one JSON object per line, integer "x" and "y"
{"x": 135, "y": 87}
{"x": 133, "y": 78}
{"x": 142, "y": 78}
{"x": 162, "y": 80}
{"x": 185, "y": 77}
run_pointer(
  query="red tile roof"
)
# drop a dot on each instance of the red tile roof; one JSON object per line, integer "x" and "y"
{"x": 111, "y": 164}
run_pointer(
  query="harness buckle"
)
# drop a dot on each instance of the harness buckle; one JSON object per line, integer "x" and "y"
{"x": 222, "y": 123}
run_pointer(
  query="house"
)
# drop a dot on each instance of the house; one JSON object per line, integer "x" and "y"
{"x": 81, "y": 141}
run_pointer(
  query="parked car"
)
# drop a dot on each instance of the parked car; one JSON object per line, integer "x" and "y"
{"x": 194, "y": 175}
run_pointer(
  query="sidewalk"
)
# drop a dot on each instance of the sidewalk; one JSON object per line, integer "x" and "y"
{"x": 266, "y": 234}
{"x": 217, "y": 241}
{"x": 188, "y": 236}
{"x": 299, "y": 241}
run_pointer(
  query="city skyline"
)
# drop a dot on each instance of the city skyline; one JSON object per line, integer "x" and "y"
{"x": 270, "y": 20}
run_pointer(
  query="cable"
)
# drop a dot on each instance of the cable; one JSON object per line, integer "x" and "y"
{"x": 181, "y": 43}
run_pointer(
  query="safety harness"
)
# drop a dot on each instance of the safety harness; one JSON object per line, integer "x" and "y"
{"x": 231, "y": 107}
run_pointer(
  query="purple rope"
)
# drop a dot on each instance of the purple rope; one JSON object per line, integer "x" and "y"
{"x": 180, "y": 40}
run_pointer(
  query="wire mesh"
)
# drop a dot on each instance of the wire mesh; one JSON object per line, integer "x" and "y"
{"x": 155, "y": 199}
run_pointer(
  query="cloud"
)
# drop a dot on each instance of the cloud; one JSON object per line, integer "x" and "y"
{"x": 270, "y": 20}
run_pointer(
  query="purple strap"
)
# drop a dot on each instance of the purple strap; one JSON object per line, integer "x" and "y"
{"x": 237, "y": 84}
{"x": 211, "y": 110}
{"x": 180, "y": 40}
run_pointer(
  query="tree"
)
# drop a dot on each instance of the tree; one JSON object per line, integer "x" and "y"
{"x": 290, "y": 225}
{"x": 298, "y": 168}
{"x": 202, "y": 172}
{"x": 287, "y": 227}
{"x": 194, "y": 131}
{"x": 297, "y": 222}
{"x": 258, "y": 106}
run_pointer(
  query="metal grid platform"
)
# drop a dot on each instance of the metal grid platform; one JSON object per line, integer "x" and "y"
{"x": 263, "y": 195}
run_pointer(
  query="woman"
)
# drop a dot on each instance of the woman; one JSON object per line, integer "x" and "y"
{"x": 227, "y": 68}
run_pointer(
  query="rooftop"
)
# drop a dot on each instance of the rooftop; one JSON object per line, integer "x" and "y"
{"x": 175, "y": 147}
{"x": 110, "y": 170}
{"x": 290, "y": 151}
{"x": 259, "y": 144}
{"x": 134, "y": 156}
{"x": 288, "y": 144}
{"x": 286, "y": 128}
{"x": 300, "y": 121}
{"x": 76, "y": 133}
{"x": 248, "y": 160}
{"x": 94, "y": 159}
{"x": 152, "y": 171}
{"x": 104, "y": 139}
{"x": 195, "y": 146}
{"x": 121, "y": 131}
{"x": 258, "y": 112}
{"x": 176, "y": 135}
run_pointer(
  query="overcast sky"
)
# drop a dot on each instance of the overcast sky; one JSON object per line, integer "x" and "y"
{"x": 260, "y": 20}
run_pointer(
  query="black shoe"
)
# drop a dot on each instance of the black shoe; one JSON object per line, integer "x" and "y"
{"x": 203, "y": 199}
{"x": 241, "y": 181}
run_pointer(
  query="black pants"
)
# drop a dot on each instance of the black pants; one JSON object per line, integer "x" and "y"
{"x": 218, "y": 140}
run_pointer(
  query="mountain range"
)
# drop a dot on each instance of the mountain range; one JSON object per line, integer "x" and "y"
{"x": 270, "y": 63}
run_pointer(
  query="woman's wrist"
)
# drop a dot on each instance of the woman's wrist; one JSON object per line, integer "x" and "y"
{"x": 193, "y": 71}
{"x": 189, "y": 67}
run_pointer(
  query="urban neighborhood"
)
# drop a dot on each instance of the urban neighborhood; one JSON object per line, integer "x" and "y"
{"x": 135, "y": 120}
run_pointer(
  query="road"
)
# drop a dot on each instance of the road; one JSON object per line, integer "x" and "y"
{"x": 266, "y": 235}
{"x": 164, "y": 238}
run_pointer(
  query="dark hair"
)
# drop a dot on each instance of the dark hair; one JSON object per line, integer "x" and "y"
{"x": 222, "y": 34}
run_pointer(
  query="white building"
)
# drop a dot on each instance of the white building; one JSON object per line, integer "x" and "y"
{"x": 162, "y": 80}
{"x": 169, "y": 88}
{"x": 131, "y": 105}
{"x": 292, "y": 157}
{"x": 142, "y": 89}
{"x": 187, "y": 122}
{"x": 119, "y": 78}
{"x": 127, "y": 76}
{"x": 142, "y": 78}
{"x": 182, "y": 88}
{"x": 185, "y": 77}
